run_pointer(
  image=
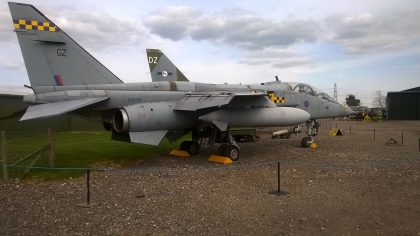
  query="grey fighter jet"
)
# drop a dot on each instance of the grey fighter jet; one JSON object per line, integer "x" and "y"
{"x": 65, "y": 78}
{"x": 303, "y": 96}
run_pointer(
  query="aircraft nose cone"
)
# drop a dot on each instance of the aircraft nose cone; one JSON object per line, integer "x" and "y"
{"x": 300, "y": 115}
{"x": 348, "y": 111}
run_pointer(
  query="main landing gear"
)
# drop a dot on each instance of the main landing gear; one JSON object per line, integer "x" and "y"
{"x": 208, "y": 136}
{"x": 230, "y": 149}
{"x": 312, "y": 130}
{"x": 192, "y": 147}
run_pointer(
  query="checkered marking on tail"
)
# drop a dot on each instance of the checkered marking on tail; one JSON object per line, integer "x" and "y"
{"x": 35, "y": 25}
{"x": 276, "y": 99}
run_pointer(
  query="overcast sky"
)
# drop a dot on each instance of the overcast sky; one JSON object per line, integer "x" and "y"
{"x": 362, "y": 45}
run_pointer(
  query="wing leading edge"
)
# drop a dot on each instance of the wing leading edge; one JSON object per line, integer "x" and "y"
{"x": 194, "y": 102}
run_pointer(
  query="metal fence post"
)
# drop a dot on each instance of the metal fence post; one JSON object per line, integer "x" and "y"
{"x": 278, "y": 192}
{"x": 51, "y": 154}
{"x": 402, "y": 138}
{"x": 4, "y": 155}
{"x": 278, "y": 177}
{"x": 88, "y": 203}
{"x": 88, "y": 187}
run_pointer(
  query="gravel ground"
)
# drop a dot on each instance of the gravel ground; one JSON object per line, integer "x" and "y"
{"x": 350, "y": 185}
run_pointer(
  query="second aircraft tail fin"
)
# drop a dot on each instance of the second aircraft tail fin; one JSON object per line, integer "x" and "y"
{"x": 161, "y": 68}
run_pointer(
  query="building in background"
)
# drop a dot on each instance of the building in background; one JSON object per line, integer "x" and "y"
{"x": 404, "y": 105}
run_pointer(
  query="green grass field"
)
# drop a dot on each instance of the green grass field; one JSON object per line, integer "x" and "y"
{"x": 80, "y": 150}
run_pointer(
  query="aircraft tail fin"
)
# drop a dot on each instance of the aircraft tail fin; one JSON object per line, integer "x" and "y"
{"x": 161, "y": 68}
{"x": 51, "y": 57}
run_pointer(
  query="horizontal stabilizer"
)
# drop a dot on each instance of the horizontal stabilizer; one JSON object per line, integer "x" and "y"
{"x": 148, "y": 137}
{"x": 58, "y": 108}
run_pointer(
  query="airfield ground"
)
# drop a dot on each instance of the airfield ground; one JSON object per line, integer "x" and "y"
{"x": 350, "y": 185}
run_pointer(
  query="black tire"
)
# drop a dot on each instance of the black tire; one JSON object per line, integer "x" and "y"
{"x": 184, "y": 145}
{"x": 193, "y": 148}
{"x": 221, "y": 149}
{"x": 107, "y": 126}
{"x": 232, "y": 152}
{"x": 305, "y": 142}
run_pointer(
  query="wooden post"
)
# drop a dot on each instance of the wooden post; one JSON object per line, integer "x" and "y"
{"x": 4, "y": 155}
{"x": 51, "y": 158}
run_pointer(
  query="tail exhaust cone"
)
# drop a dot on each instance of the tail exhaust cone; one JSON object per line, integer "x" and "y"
{"x": 120, "y": 121}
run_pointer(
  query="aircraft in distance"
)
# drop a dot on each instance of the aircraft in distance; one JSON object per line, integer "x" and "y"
{"x": 284, "y": 94}
{"x": 67, "y": 79}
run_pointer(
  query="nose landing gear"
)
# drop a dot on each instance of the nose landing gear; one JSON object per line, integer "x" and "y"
{"x": 312, "y": 130}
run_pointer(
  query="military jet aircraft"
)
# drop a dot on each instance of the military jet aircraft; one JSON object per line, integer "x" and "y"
{"x": 303, "y": 96}
{"x": 65, "y": 78}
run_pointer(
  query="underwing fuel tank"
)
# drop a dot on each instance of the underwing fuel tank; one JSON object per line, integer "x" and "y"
{"x": 258, "y": 117}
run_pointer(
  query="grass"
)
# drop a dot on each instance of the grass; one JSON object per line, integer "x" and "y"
{"x": 81, "y": 150}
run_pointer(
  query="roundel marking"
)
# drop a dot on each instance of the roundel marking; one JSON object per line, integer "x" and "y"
{"x": 164, "y": 73}
{"x": 306, "y": 103}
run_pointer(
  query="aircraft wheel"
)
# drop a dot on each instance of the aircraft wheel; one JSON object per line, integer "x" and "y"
{"x": 107, "y": 126}
{"x": 305, "y": 142}
{"x": 221, "y": 149}
{"x": 232, "y": 152}
{"x": 184, "y": 146}
{"x": 193, "y": 147}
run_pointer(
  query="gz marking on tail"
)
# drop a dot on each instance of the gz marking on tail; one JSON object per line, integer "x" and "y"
{"x": 61, "y": 52}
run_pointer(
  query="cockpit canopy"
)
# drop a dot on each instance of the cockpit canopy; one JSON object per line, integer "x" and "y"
{"x": 307, "y": 89}
{"x": 304, "y": 88}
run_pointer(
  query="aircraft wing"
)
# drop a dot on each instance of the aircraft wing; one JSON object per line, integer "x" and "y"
{"x": 194, "y": 102}
{"x": 58, "y": 108}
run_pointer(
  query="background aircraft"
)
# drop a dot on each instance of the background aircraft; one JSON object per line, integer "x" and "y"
{"x": 67, "y": 79}
{"x": 303, "y": 96}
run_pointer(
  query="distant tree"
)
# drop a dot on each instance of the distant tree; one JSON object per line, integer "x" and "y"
{"x": 352, "y": 101}
{"x": 379, "y": 100}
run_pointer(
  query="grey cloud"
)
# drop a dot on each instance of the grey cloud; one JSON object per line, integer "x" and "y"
{"x": 172, "y": 24}
{"x": 6, "y": 25}
{"x": 240, "y": 30}
{"x": 294, "y": 62}
{"x": 99, "y": 30}
{"x": 278, "y": 58}
{"x": 367, "y": 32}
{"x": 93, "y": 29}
{"x": 13, "y": 66}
